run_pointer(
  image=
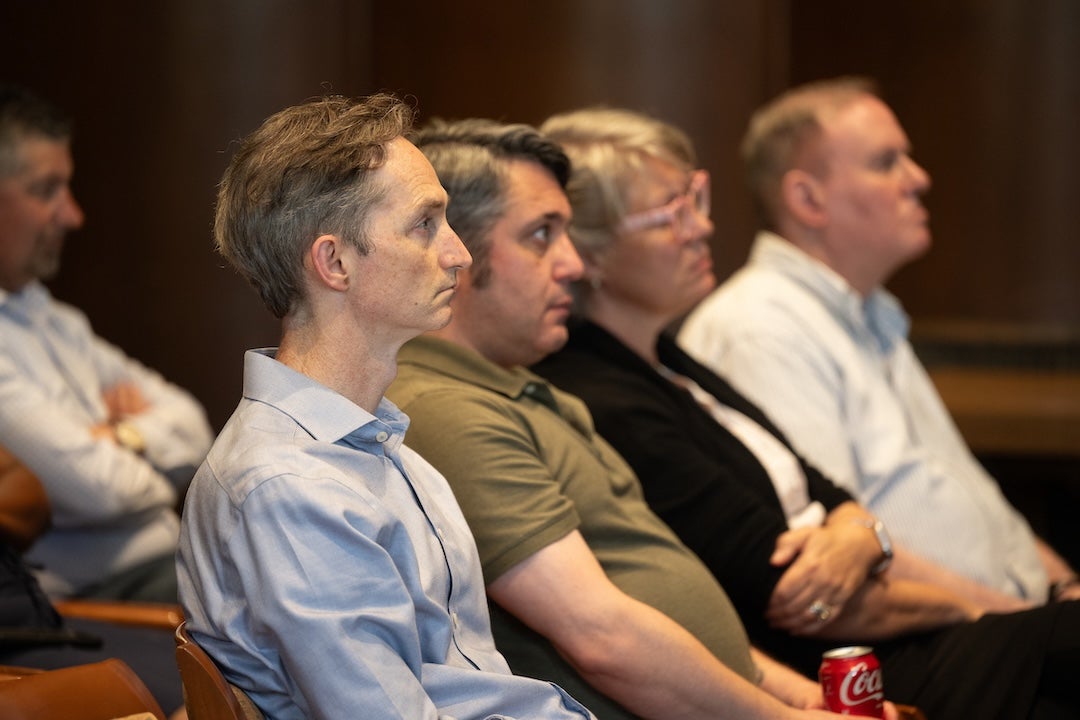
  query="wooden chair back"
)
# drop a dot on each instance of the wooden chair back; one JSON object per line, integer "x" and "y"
{"x": 207, "y": 694}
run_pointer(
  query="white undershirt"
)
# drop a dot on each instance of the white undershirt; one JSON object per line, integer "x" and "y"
{"x": 780, "y": 463}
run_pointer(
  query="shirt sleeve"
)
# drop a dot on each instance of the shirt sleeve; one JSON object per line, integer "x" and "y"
{"x": 174, "y": 426}
{"x": 336, "y": 590}
{"x": 88, "y": 481}
{"x": 508, "y": 495}
{"x": 333, "y": 612}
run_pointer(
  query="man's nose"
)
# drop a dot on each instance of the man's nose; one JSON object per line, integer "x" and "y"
{"x": 568, "y": 264}
{"x": 70, "y": 213}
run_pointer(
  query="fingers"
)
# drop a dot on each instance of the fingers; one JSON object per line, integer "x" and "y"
{"x": 821, "y": 611}
{"x": 788, "y": 545}
{"x": 124, "y": 399}
{"x": 808, "y": 619}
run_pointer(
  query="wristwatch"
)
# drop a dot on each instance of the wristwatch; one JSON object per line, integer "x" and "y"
{"x": 128, "y": 436}
{"x": 885, "y": 542}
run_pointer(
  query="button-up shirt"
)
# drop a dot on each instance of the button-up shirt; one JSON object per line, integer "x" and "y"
{"x": 112, "y": 508}
{"x": 837, "y": 374}
{"x": 328, "y": 569}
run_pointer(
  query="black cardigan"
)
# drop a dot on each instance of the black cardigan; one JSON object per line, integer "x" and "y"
{"x": 697, "y": 476}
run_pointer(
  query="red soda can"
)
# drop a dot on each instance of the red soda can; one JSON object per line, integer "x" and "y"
{"x": 851, "y": 680}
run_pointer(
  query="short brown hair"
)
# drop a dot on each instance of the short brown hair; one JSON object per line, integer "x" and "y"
{"x": 303, "y": 173}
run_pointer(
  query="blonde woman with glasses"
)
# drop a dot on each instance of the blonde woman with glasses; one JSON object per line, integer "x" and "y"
{"x": 806, "y": 566}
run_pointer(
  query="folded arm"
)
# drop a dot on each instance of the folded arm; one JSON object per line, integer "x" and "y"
{"x": 828, "y": 565}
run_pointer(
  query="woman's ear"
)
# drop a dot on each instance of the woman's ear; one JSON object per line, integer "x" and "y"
{"x": 594, "y": 268}
{"x": 802, "y": 195}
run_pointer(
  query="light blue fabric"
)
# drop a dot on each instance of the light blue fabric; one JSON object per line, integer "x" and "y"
{"x": 112, "y": 509}
{"x": 328, "y": 569}
{"x": 837, "y": 374}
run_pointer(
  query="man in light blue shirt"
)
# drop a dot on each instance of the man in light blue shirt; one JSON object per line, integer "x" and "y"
{"x": 113, "y": 443}
{"x": 325, "y": 566}
{"x": 806, "y": 331}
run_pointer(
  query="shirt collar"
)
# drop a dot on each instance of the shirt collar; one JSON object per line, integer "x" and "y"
{"x": 879, "y": 314}
{"x": 30, "y": 303}
{"x": 471, "y": 367}
{"x": 518, "y": 384}
{"x": 325, "y": 414}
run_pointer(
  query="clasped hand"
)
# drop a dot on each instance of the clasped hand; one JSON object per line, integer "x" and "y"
{"x": 825, "y": 567}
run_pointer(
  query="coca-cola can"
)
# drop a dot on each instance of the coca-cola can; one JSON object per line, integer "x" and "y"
{"x": 851, "y": 680}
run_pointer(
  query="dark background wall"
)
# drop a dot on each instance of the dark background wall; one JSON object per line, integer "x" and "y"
{"x": 987, "y": 89}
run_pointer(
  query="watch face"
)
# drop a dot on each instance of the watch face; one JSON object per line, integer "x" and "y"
{"x": 128, "y": 436}
{"x": 885, "y": 541}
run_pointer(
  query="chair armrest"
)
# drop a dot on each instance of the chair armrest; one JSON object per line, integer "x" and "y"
{"x": 24, "y": 508}
{"x": 165, "y": 616}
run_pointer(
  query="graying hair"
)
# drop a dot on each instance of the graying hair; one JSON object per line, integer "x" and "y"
{"x": 470, "y": 159}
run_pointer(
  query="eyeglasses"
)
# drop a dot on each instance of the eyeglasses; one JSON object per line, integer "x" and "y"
{"x": 678, "y": 213}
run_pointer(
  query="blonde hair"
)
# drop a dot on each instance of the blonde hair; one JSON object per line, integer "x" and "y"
{"x": 608, "y": 149}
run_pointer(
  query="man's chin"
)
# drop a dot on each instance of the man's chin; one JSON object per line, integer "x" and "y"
{"x": 441, "y": 318}
{"x": 921, "y": 246}
{"x": 553, "y": 342}
{"x": 46, "y": 269}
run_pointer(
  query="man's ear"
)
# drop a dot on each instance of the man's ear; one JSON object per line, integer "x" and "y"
{"x": 326, "y": 258}
{"x": 803, "y": 198}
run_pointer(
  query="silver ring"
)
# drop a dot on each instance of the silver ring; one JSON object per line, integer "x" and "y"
{"x": 820, "y": 610}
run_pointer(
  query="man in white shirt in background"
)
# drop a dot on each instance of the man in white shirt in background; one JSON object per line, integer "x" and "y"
{"x": 113, "y": 443}
{"x": 807, "y": 331}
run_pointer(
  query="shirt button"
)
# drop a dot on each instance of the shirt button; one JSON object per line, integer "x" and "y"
{"x": 453, "y": 619}
{"x": 382, "y": 436}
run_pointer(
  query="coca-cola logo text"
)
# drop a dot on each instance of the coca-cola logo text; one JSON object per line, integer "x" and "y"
{"x": 866, "y": 685}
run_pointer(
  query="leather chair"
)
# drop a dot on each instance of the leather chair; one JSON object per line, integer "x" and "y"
{"x": 97, "y": 691}
{"x": 207, "y": 694}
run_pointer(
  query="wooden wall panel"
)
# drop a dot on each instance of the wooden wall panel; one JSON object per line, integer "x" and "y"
{"x": 701, "y": 64}
{"x": 159, "y": 90}
{"x": 989, "y": 91}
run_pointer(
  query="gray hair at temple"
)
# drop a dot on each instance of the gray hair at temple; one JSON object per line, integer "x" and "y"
{"x": 24, "y": 114}
{"x": 305, "y": 172}
{"x": 781, "y": 132}
{"x": 608, "y": 149}
{"x": 470, "y": 159}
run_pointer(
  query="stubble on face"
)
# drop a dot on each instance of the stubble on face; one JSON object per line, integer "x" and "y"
{"x": 37, "y": 211}
{"x": 416, "y": 251}
{"x": 519, "y": 314}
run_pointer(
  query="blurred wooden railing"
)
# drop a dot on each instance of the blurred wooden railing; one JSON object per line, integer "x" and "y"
{"x": 1012, "y": 390}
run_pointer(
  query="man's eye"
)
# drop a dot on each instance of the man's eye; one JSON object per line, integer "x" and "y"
{"x": 542, "y": 235}
{"x": 46, "y": 190}
{"x": 887, "y": 161}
